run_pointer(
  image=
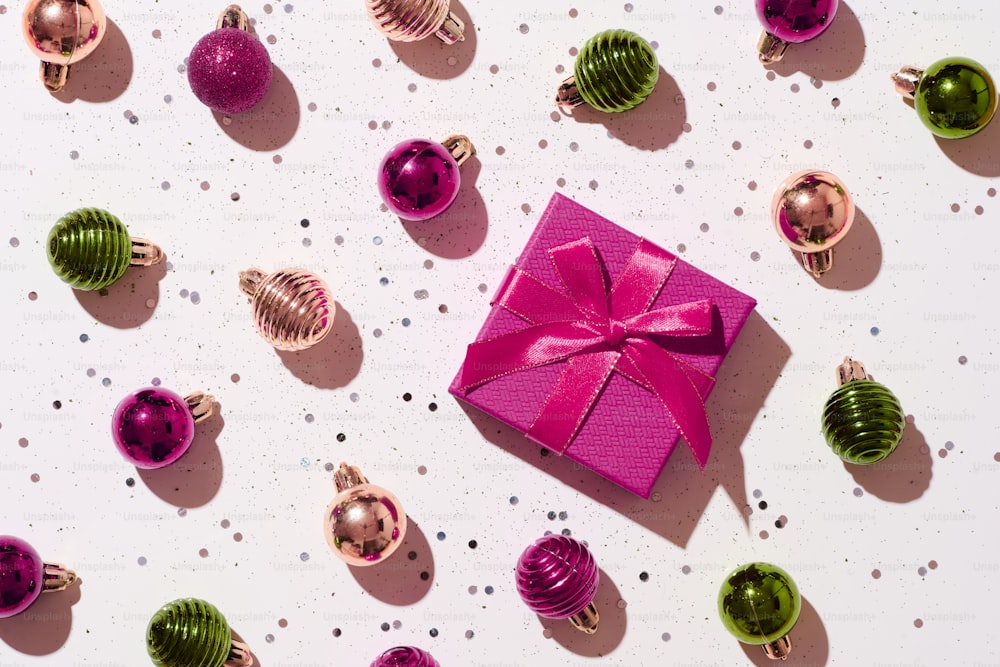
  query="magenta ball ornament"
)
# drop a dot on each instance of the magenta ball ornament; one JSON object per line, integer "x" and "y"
{"x": 791, "y": 22}
{"x": 405, "y": 656}
{"x": 557, "y": 577}
{"x": 24, "y": 577}
{"x": 419, "y": 179}
{"x": 154, "y": 427}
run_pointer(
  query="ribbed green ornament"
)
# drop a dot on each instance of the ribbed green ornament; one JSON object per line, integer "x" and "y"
{"x": 188, "y": 633}
{"x": 862, "y": 421}
{"x": 89, "y": 248}
{"x": 759, "y": 603}
{"x": 616, "y": 70}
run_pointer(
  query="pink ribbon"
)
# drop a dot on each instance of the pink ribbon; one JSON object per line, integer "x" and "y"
{"x": 597, "y": 331}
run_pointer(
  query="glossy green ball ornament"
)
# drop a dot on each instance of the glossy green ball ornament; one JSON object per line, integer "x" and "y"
{"x": 954, "y": 97}
{"x": 89, "y": 249}
{"x": 862, "y": 420}
{"x": 193, "y": 633}
{"x": 759, "y": 603}
{"x": 614, "y": 71}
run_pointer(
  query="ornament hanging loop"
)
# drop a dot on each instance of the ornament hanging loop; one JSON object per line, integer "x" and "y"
{"x": 460, "y": 147}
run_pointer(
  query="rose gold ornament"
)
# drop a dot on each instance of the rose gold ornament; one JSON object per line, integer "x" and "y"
{"x": 364, "y": 523}
{"x": 413, "y": 20}
{"x": 812, "y": 211}
{"x": 292, "y": 308}
{"x": 60, "y": 33}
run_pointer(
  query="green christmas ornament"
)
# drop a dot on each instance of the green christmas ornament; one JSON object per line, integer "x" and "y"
{"x": 759, "y": 603}
{"x": 954, "y": 97}
{"x": 193, "y": 633}
{"x": 614, "y": 71}
{"x": 862, "y": 421}
{"x": 89, "y": 249}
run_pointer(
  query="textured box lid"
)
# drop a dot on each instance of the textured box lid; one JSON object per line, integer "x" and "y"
{"x": 627, "y": 436}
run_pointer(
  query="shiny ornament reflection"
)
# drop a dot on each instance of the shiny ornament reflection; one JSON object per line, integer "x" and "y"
{"x": 615, "y": 70}
{"x": 292, "y": 308}
{"x": 812, "y": 211}
{"x": 419, "y": 179}
{"x": 557, "y": 577}
{"x": 191, "y": 632}
{"x": 24, "y": 577}
{"x": 759, "y": 603}
{"x": 364, "y": 523}
{"x": 60, "y": 33}
{"x": 791, "y": 22}
{"x": 405, "y": 656}
{"x": 154, "y": 427}
{"x": 862, "y": 420}
{"x": 90, "y": 249}
{"x": 229, "y": 70}
{"x": 413, "y": 20}
{"x": 954, "y": 97}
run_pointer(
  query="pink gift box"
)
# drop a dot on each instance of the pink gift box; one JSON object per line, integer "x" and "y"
{"x": 609, "y": 372}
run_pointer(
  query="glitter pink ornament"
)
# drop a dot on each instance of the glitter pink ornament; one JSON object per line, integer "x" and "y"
{"x": 154, "y": 427}
{"x": 405, "y": 656}
{"x": 557, "y": 577}
{"x": 229, "y": 70}
{"x": 23, "y": 576}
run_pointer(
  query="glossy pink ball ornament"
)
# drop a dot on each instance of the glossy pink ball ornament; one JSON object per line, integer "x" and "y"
{"x": 229, "y": 70}
{"x": 791, "y": 22}
{"x": 405, "y": 656}
{"x": 557, "y": 577}
{"x": 419, "y": 179}
{"x": 23, "y": 576}
{"x": 153, "y": 427}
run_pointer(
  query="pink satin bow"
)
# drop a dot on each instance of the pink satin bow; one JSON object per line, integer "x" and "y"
{"x": 597, "y": 331}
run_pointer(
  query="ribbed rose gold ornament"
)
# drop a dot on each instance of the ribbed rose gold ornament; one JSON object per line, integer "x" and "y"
{"x": 413, "y": 20}
{"x": 292, "y": 308}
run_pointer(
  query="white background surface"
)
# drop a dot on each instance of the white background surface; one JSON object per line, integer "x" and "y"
{"x": 919, "y": 268}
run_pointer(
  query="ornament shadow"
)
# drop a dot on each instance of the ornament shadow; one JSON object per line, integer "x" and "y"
{"x": 653, "y": 125}
{"x": 682, "y": 491}
{"x": 334, "y": 361}
{"x": 397, "y": 581}
{"x": 810, "y": 643}
{"x": 976, "y": 154}
{"x": 429, "y": 57}
{"x": 904, "y": 475}
{"x": 197, "y": 476}
{"x": 270, "y": 124}
{"x": 44, "y": 627}
{"x": 104, "y": 75}
{"x": 461, "y": 230}
{"x": 124, "y": 305}
{"x": 611, "y": 627}
{"x": 857, "y": 259}
{"x": 834, "y": 55}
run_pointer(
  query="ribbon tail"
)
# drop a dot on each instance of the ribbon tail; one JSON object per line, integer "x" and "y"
{"x": 677, "y": 393}
{"x": 571, "y": 398}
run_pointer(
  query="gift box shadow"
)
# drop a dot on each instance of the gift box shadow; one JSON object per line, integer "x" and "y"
{"x": 611, "y": 627}
{"x": 429, "y": 57}
{"x": 834, "y": 55}
{"x": 653, "y": 125}
{"x": 904, "y": 475}
{"x": 123, "y": 304}
{"x": 810, "y": 643}
{"x": 461, "y": 230}
{"x": 398, "y": 580}
{"x": 104, "y": 75}
{"x": 44, "y": 627}
{"x": 334, "y": 361}
{"x": 857, "y": 259}
{"x": 270, "y": 124}
{"x": 682, "y": 491}
{"x": 197, "y": 476}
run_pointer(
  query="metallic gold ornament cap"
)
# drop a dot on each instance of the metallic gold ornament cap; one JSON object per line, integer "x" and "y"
{"x": 348, "y": 476}
{"x": 568, "y": 95}
{"x": 851, "y": 370}
{"x": 145, "y": 253}
{"x": 201, "y": 405}
{"x": 56, "y": 577}
{"x": 60, "y": 33}
{"x": 460, "y": 147}
{"x": 812, "y": 211}
{"x": 906, "y": 79}
{"x": 778, "y": 650}
{"x": 770, "y": 48}
{"x": 233, "y": 16}
{"x": 586, "y": 620}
